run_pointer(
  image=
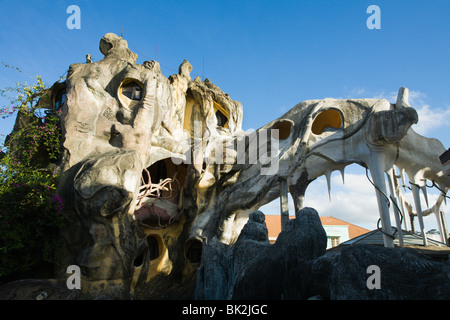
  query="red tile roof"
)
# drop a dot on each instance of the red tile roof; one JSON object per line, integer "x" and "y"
{"x": 353, "y": 230}
{"x": 273, "y": 223}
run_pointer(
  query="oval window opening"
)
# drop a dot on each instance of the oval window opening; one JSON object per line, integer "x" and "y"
{"x": 139, "y": 260}
{"x": 153, "y": 247}
{"x": 284, "y": 129}
{"x": 326, "y": 119}
{"x": 194, "y": 251}
{"x": 160, "y": 194}
{"x": 132, "y": 91}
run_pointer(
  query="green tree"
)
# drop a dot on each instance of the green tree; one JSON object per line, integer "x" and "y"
{"x": 31, "y": 213}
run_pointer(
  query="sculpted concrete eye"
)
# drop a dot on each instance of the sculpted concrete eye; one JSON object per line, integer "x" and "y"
{"x": 327, "y": 119}
{"x": 284, "y": 128}
{"x": 130, "y": 93}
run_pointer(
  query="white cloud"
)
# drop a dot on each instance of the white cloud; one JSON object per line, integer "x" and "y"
{"x": 431, "y": 119}
{"x": 357, "y": 92}
{"x": 354, "y": 201}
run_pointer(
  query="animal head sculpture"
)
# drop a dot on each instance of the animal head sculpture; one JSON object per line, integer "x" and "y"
{"x": 152, "y": 166}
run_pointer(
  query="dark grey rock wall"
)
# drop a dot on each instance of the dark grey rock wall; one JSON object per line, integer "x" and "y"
{"x": 298, "y": 266}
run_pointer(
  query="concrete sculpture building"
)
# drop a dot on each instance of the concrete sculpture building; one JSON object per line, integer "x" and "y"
{"x": 155, "y": 168}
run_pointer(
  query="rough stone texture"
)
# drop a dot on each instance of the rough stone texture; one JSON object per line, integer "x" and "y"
{"x": 254, "y": 269}
{"x": 282, "y": 270}
{"x": 34, "y": 289}
{"x": 297, "y": 266}
{"x": 405, "y": 275}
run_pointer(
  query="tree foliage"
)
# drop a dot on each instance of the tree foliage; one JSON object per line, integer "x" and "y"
{"x": 31, "y": 213}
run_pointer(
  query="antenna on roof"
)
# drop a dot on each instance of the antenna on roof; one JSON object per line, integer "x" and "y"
{"x": 121, "y": 35}
{"x": 203, "y": 68}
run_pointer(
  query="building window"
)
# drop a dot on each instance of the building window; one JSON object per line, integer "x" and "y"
{"x": 60, "y": 99}
{"x": 153, "y": 247}
{"x": 335, "y": 241}
{"x": 132, "y": 91}
{"x": 329, "y": 119}
{"x": 221, "y": 115}
{"x": 221, "y": 119}
{"x": 284, "y": 127}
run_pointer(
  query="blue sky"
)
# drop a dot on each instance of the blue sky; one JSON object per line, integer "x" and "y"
{"x": 269, "y": 55}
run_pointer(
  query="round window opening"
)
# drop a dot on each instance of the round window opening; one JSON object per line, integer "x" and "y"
{"x": 130, "y": 93}
{"x": 327, "y": 120}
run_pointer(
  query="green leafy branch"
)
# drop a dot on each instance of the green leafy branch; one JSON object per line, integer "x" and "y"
{"x": 31, "y": 213}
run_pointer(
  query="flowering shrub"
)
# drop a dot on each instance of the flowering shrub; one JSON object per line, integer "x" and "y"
{"x": 21, "y": 97}
{"x": 31, "y": 213}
